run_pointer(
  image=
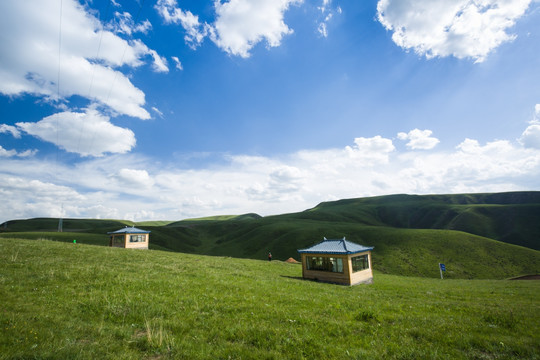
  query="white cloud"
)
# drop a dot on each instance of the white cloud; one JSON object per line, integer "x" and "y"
{"x": 160, "y": 63}
{"x": 133, "y": 177}
{"x": 195, "y": 31}
{"x": 156, "y": 110}
{"x": 7, "y": 153}
{"x": 327, "y": 13}
{"x": 4, "y": 129}
{"x": 241, "y": 24}
{"x": 86, "y": 133}
{"x": 419, "y": 139}
{"x": 531, "y": 136}
{"x": 461, "y": 28}
{"x": 177, "y": 63}
{"x": 322, "y": 29}
{"x": 130, "y": 186}
{"x": 371, "y": 151}
{"x": 124, "y": 24}
{"x": 30, "y": 58}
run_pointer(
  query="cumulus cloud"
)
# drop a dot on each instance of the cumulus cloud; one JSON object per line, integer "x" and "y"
{"x": 419, "y": 139}
{"x": 133, "y": 177}
{"x": 371, "y": 151}
{"x": 239, "y": 24}
{"x": 460, "y": 28}
{"x": 85, "y": 52}
{"x": 87, "y": 133}
{"x": 531, "y": 136}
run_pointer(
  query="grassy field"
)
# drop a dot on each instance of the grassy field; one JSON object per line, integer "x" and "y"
{"x": 410, "y": 252}
{"x": 65, "y": 301}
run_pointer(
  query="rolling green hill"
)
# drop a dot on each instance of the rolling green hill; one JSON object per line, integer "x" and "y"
{"x": 67, "y": 301}
{"x": 509, "y": 217}
{"x": 489, "y": 236}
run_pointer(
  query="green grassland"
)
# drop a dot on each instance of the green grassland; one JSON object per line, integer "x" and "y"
{"x": 62, "y": 300}
{"x": 477, "y": 236}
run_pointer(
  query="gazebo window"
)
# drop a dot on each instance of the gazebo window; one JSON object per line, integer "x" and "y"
{"x": 137, "y": 238}
{"x": 322, "y": 263}
{"x": 360, "y": 263}
{"x": 119, "y": 240}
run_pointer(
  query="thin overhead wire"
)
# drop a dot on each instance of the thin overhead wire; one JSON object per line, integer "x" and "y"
{"x": 58, "y": 81}
{"x": 125, "y": 49}
{"x": 81, "y": 132}
{"x": 58, "y": 99}
{"x": 116, "y": 72}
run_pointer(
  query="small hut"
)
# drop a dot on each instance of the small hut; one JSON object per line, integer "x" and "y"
{"x": 337, "y": 261}
{"x": 129, "y": 238}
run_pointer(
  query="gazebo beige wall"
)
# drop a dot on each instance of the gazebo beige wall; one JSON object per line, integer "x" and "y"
{"x": 347, "y": 277}
{"x": 124, "y": 241}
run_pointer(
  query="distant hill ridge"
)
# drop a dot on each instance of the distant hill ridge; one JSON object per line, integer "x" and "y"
{"x": 512, "y": 217}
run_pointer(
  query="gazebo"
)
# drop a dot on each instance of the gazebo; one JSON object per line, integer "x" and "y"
{"x": 337, "y": 261}
{"x": 129, "y": 238}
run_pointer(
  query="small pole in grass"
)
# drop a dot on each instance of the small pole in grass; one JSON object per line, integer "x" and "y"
{"x": 441, "y": 269}
{"x": 74, "y": 241}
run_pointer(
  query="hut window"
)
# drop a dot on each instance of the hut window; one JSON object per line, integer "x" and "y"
{"x": 118, "y": 240}
{"x": 137, "y": 238}
{"x": 322, "y": 263}
{"x": 360, "y": 263}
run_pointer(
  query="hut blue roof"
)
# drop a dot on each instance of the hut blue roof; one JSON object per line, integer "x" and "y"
{"x": 335, "y": 247}
{"x": 129, "y": 230}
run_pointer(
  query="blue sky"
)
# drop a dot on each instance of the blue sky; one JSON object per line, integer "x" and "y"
{"x": 172, "y": 109}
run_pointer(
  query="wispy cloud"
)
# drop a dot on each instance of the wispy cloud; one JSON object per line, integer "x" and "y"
{"x": 177, "y": 62}
{"x": 123, "y": 23}
{"x": 8, "y": 129}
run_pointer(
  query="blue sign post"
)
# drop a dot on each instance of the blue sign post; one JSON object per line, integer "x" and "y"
{"x": 441, "y": 269}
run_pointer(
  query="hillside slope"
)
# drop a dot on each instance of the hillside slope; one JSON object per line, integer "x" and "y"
{"x": 66, "y": 301}
{"x": 475, "y": 235}
{"x": 509, "y": 217}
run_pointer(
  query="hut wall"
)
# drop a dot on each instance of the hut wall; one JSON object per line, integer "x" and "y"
{"x": 326, "y": 276}
{"x": 118, "y": 240}
{"x": 136, "y": 241}
{"x": 363, "y": 276}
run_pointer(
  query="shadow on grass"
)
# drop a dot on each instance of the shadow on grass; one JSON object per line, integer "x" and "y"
{"x": 295, "y": 278}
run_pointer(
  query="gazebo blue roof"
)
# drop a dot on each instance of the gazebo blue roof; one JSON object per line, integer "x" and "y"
{"x": 129, "y": 230}
{"x": 335, "y": 247}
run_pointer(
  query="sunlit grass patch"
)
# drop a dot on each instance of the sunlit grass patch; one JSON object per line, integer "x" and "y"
{"x": 61, "y": 300}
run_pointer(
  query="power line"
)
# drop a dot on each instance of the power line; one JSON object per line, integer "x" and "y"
{"x": 93, "y": 72}
{"x": 58, "y": 99}
{"x": 116, "y": 72}
{"x": 58, "y": 81}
